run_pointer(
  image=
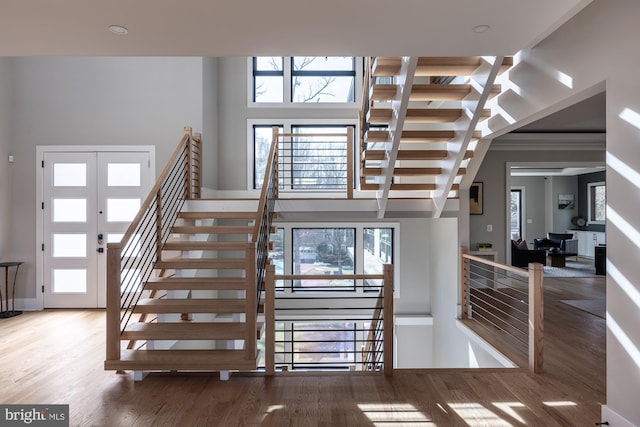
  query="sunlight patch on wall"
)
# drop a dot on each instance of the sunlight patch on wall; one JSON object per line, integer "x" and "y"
{"x": 623, "y": 339}
{"x": 632, "y": 292}
{"x": 623, "y": 225}
{"x": 623, "y": 169}
{"x": 631, "y": 117}
{"x": 565, "y": 79}
{"x": 476, "y": 415}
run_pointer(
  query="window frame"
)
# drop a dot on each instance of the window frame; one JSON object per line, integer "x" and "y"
{"x": 288, "y": 125}
{"x": 359, "y": 249}
{"x": 288, "y": 74}
{"x": 591, "y": 203}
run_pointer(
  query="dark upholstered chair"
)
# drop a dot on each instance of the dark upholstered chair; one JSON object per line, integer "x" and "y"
{"x": 521, "y": 256}
{"x": 557, "y": 241}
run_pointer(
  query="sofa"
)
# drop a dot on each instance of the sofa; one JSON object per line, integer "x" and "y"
{"x": 557, "y": 242}
{"x": 521, "y": 255}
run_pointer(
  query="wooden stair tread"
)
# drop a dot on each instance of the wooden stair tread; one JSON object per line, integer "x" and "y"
{"x": 404, "y": 171}
{"x": 210, "y": 263}
{"x": 417, "y": 115}
{"x": 408, "y": 154}
{"x": 188, "y": 245}
{"x": 411, "y": 136}
{"x": 213, "y": 360}
{"x": 216, "y": 214}
{"x": 200, "y": 305}
{"x": 197, "y": 283}
{"x": 407, "y": 187}
{"x": 428, "y": 92}
{"x": 385, "y": 66}
{"x": 186, "y": 331}
{"x": 220, "y": 229}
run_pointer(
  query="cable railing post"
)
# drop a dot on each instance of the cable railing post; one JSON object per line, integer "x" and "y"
{"x": 114, "y": 253}
{"x": 536, "y": 317}
{"x": 250, "y": 301}
{"x": 187, "y": 148}
{"x": 464, "y": 283}
{"x": 388, "y": 319}
{"x": 196, "y": 162}
{"x": 269, "y": 321}
{"x": 350, "y": 131}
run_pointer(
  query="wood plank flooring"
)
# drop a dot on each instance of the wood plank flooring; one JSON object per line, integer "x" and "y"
{"x": 56, "y": 356}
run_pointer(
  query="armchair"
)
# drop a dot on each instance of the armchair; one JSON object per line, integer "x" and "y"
{"x": 557, "y": 241}
{"x": 521, "y": 256}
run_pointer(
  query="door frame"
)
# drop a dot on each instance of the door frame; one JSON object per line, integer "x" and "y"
{"x": 40, "y": 152}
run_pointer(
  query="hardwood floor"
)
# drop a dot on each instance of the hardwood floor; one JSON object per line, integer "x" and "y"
{"x": 57, "y": 357}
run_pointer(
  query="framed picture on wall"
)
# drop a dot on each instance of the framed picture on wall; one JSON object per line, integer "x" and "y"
{"x": 566, "y": 201}
{"x": 475, "y": 198}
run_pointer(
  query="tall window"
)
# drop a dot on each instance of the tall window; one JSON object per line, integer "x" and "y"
{"x": 324, "y": 251}
{"x": 516, "y": 214}
{"x": 597, "y": 200}
{"x": 304, "y": 79}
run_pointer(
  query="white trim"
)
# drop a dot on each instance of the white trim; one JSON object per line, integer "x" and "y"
{"x": 412, "y": 320}
{"x": 40, "y": 152}
{"x": 614, "y": 419}
{"x": 499, "y": 357}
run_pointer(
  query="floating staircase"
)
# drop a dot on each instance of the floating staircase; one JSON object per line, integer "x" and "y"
{"x": 199, "y": 310}
{"x": 420, "y": 123}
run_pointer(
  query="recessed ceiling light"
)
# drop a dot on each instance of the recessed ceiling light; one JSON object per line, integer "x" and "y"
{"x": 118, "y": 29}
{"x": 480, "y": 28}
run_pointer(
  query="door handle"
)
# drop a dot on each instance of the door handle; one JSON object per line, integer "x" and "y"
{"x": 100, "y": 238}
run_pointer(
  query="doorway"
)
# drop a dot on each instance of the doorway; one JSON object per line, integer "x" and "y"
{"x": 89, "y": 197}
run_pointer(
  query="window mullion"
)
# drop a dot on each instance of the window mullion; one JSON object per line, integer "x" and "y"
{"x": 288, "y": 81}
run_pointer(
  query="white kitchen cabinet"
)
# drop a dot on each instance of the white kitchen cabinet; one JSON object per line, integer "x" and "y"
{"x": 587, "y": 241}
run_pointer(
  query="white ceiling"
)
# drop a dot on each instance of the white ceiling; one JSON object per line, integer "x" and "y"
{"x": 278, "y": 27}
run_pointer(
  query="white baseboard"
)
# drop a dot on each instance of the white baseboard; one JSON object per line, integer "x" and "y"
{"x": 614, "y": 419}
{"x": 28, "y": 304}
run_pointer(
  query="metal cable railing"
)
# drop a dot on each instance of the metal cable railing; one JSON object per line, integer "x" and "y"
{"x": 504, "y": 304}
{"x": 329, "y": 329}
{"x": 131, "y": 262}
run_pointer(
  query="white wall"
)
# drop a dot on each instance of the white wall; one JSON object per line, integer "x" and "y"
{"x": 535, "y": 202}
{"x": 597, "y": 49}
{"x": 92, "y": 101}
{"x": 562, "y": 217}
{"x": 5, "y": 167}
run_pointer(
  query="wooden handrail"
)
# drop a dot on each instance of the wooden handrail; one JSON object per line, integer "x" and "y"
{"x": 154, "y": 190}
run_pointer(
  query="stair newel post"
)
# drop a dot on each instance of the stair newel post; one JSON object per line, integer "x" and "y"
{"x": 464, "y": 283}
{"x": 114, "y": 252}
{"x": 270, "y": 320}
{"x": 536, "y": 317}
{"x": 251, "y": 288}
{"x": 387, "y": 313}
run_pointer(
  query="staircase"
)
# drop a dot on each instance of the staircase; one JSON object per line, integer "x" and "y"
{"x": 420, "y": 124}
{"x": 199, "y": 309}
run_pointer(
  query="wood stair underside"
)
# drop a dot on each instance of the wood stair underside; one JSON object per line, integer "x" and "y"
{"x": 441, "y": 96}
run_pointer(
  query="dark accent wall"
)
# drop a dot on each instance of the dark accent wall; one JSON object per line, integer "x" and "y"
{"x": 583, "y": 198}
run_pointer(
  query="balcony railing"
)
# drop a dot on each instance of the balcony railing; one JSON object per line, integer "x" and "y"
{"x": 504, "y": 305}
{"x": 329, "y": 329}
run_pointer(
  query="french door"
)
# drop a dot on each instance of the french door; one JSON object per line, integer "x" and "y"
{"x": 89, "y": 199}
